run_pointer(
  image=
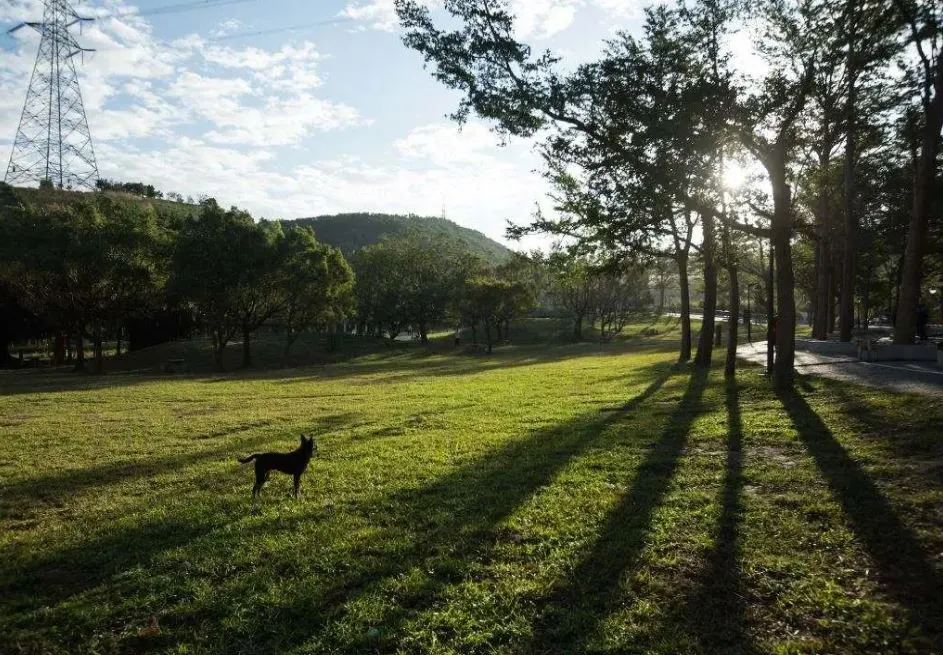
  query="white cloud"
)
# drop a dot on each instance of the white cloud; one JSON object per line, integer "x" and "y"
{"x": 239, "y": 105}
{"x": 136, "y": 86}
{"x": 228, "y": 27}
{"x": 541, "y": 19}
{"x": 430, "y": 166}
{"x": 378, "y": 14}
{"x": 624, "y": 9}
{"x": 535, "y": 19}
{"x": 446, "y": 146}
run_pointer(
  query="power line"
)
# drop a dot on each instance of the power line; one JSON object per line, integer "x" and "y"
{"x": 183, "y": 6}
{"x": 289, "y": 28}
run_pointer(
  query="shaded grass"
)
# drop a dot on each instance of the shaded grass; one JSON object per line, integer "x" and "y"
{"x": 581, "y": 498}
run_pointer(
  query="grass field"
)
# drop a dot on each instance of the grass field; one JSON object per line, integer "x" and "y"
{"x": 576, "y": 498}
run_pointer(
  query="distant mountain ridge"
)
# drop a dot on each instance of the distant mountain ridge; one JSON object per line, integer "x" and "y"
{"x": 353, "y": 231}
{"x": 348, "y": 231}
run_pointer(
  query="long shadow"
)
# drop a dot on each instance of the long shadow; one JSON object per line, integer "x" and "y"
{"x": 451, "y": 524}
{"x": 45, "y": 581}
{"x": 921, "y": 440}
{"x": 903, "y": 566}
{"x": 577, "y": 605}
{"x": 58, "y": 488}
{"x": 716, "y": 612}
{"x": 441, "y": 529}
{"x": 402, "y": 364}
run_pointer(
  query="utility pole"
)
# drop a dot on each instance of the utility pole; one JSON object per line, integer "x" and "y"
{"x": 53, "y": 141}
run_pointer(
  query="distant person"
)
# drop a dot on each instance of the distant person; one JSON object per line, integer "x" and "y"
{"x": 772, "y": 330}
{"x": 923, "y": 318}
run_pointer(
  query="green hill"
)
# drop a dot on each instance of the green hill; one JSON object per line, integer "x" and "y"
{"x": 350, "y": 232}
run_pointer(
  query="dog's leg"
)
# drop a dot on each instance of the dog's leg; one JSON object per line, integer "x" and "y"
{"x": 261, "y": 476}
{"x": 297, "y": 485}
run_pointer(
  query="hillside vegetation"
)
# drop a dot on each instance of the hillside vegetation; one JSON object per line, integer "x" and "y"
{"x": 350, "y": 232}
{"x": 46, "y": 197}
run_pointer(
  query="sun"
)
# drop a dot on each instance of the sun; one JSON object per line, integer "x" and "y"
{"x": 734, "y": 176}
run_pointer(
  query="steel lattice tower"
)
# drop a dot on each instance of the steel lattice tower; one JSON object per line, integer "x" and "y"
{"x": 53, "y": 141}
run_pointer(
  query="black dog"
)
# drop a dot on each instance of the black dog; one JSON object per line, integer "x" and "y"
{"x": 294, "y": 463}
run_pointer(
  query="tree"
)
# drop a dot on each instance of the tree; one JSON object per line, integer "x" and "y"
{"x": 490, "y": 301}
{"x": 922, "y": 19}
{"x": 84, "y": 266}
{"x": 227, "y": 268}
{"x": 629, "y": 121}
{"x": 316, "y": 281}
{"x": 411, "y": 280}
{"x": 572, "y": 288}
{"x": 615, "y": 295}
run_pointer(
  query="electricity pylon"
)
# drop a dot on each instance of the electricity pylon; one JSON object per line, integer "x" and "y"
{"x": 53, "y": 141}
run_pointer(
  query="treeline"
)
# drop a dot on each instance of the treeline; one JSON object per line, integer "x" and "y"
{"x": 143, "y": 190}
{"x": 837, "y": 138}
{"x": 91, "y": 268}
{"x": 99, "y": 269}
{"x": 420, "y": 281}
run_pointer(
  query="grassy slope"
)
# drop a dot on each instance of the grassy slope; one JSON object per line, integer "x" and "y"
{"x": 466, "y": 504}
{"x": 49, "y": 196}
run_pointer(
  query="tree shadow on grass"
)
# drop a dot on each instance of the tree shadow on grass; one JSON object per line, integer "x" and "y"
{"x": 392, "y": 365}
{"x": 903, "y": 566}
{"x": 716, "y": 612}
{"x": 918, "y": 437}
{"x": 449, "y": 525}
{"x": 47, "y": 580}
{"x": 438, "y": 531}
{"x": 581, "y": 601}
{"x": 57, "y": 489}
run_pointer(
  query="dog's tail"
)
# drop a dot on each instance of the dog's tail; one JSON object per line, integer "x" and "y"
{"x": 248, "y": 459}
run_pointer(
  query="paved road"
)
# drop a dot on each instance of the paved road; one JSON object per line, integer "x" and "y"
{"x": 902, "y": 377}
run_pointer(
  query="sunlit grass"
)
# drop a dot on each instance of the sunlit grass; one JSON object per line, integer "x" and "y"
{"x": 582, "y": 497}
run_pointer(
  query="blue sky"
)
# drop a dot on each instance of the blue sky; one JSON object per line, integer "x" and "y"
{"x": 339, "y": 117}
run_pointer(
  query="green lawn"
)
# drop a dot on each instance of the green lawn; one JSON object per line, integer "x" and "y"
{"x": 579, "y": 498}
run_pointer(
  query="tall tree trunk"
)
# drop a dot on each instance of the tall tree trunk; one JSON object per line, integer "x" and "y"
{"x": 785, "y": 281}
{"x": 488, "y": 335}
{"x": 820, "y": 322}
{"x": 730, "y": 364}
{"x": 79, "y": 351}
{"x": 906, "y": 326}
{"x": 58, "y": 349}
{"x": 846, "y": 303}
{"x": 770, "y": 311}
{"x": 219, "y": 344}
{"x": 832, "y": 293}
{"x": 577, "y": 328}
{"x": 705, "y": 343}
{"x": 246, "y": 347}
{"x": 685, "y": 354}
{"x": 290, "y": 337}
{"x": 99, "y": 351}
